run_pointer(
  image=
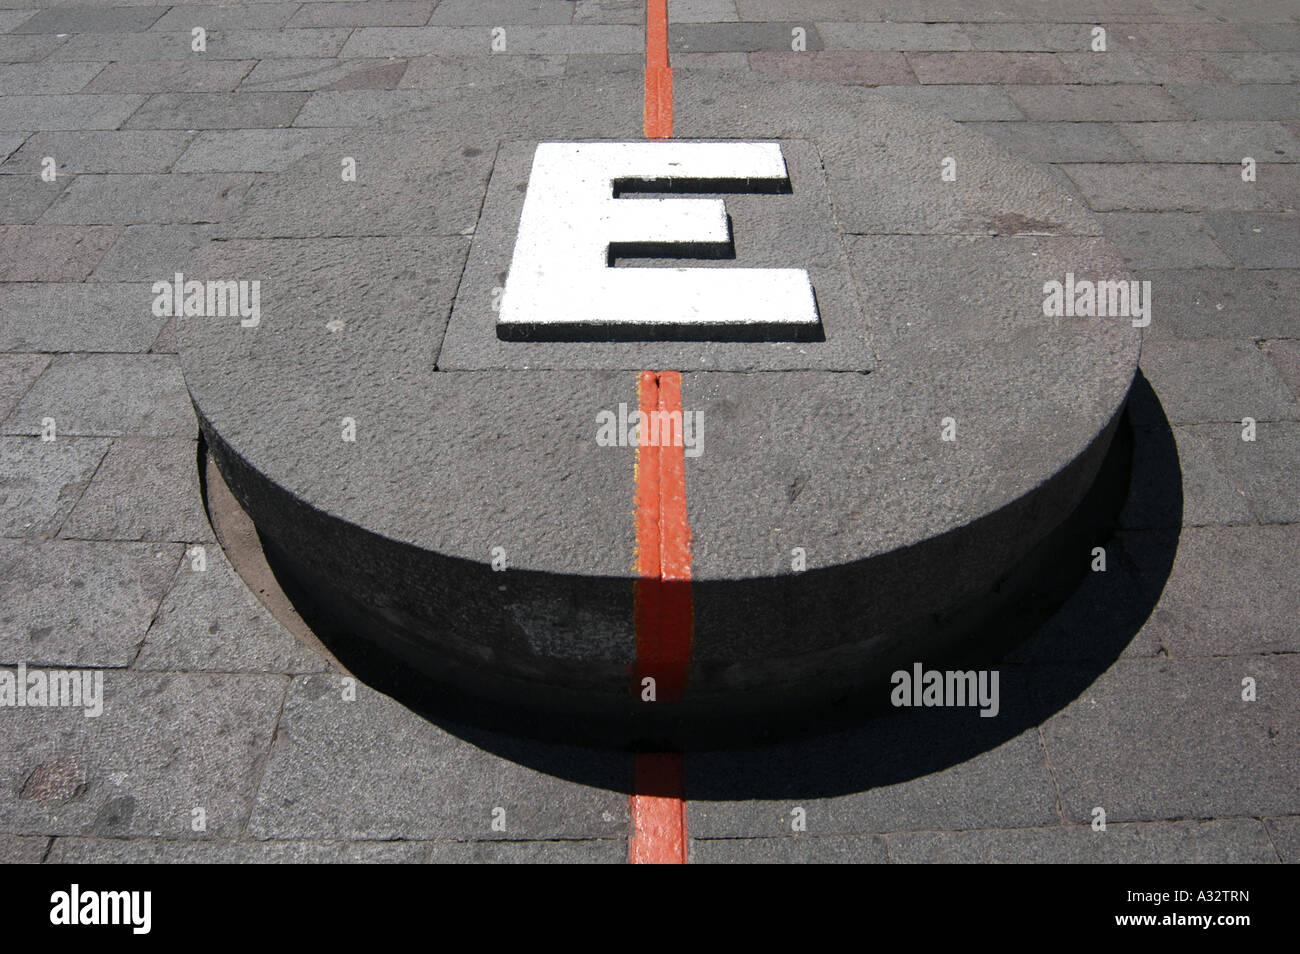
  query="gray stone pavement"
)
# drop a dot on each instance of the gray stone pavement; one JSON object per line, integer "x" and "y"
{"x": 225, "y": 738}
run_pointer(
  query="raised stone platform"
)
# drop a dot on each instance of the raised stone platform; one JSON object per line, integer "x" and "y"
{"x": 377, "y": 319}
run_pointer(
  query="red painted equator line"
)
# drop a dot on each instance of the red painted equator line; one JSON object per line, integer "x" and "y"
{"x": 646, "y": 589}
{"x": 658, "y": 811}
{"x": 664, "y": 619}
{"x": 664, "y": 615}
{"x": 658, "y": 74}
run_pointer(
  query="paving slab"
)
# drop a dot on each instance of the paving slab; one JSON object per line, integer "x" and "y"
{"x": 234, "y": 16}
{"x": 1285, "y": 356}
{"x": 379, "y": 13}
{"x": 1111, "y": 749}
{"x": 1235, "y": 102}
{"x": 1105, "y": 103}
{"x": 1257, "y": 240}
{"x": 1273, "y": 36}
{"x": 23, "y": 199}
{"x": 75, "y": 316}
{"x": 73, "y": 112}
{"x": 1028, "y": 37}
{"x": 962, "y": 103}
{"x": 9, "y": 142}
{"x": 709, "y": 61}
{"x": 1060, "y": 142}
{"x": 23, "y": 849}
{"x": 1124, "y": 66}
{"x": 501, "y": 12}
{"x": 12, "y": 18}
{"x": 892, "y": 786}
{"x": 1230, "y": 592}
{"x": 1268, "y": 67}
{"x": 171, "y": 76}
{"x": 1264, "y": 468}
{"x": 959, "y": 11}
{"x": 438, "y": 71}
{"x": 165, "y": 343}
{"x": 52, "y": 253}
{"x": 407, "y": 778}
{"x": 247, "y": 150}
{"x": 1181, "y": 187}
{"x": 1285, "y": 833}
{"x": 983, "y": 67}
{"x": 1248, "y": 11}
{"x": 108, "y": 395}
{"x": 314, "y": 74}
{"x": 1228, "y": 841}
{"x": 73, "y": 603}
{"x": 365, "y": 107}
{"x": 26, "y": 49}
{"x": 525, "y": 40}
{"x": 153, "y": 46}
{"x": 572, "y": 851}
{"x": 150, "y": 253}
{"x": 91, "y": 20}
{"x": 741, "y": 37}
{"x": 42, "y": 480}
{"x": 17, "y": 374}
{"x": 145, "y": 489}
{"x": 609, "y": 11}
{"x": 19, "y": 78}
{"x": 1091, "y": 11}
{"x": 1212, "y": 140}
{"x": 74, "y": 850}
{"x": 1209, "y": 495}
{"x": 211, "y": 621}
{"x": 1215, "y": 379}
{"x": 1251, "y": 11}
{"x": 217, "y": 110}
{"x": 702, "y": 11}
{"x": 1226, "y": 302}
{"x": 165, "y": 745}
{"x": 1177, "y": 37}
{"x": 837, "y": 66}
{"x": 820, "y": 9}
{"x": 893, "y": 37}
{"x": 189, "y": 199}
{"x": 1155, "y": 240}
{"x": 602, "y": 64}
{"x": 102, "y": 152}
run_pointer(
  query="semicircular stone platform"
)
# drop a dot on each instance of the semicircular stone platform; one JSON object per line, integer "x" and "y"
{"x": 444, "y": 494}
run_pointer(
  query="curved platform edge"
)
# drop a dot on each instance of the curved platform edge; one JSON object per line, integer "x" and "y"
{"x": 368, "y": 599}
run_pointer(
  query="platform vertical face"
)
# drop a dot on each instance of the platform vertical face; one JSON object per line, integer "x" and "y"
{"x": 577, "y": 218}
